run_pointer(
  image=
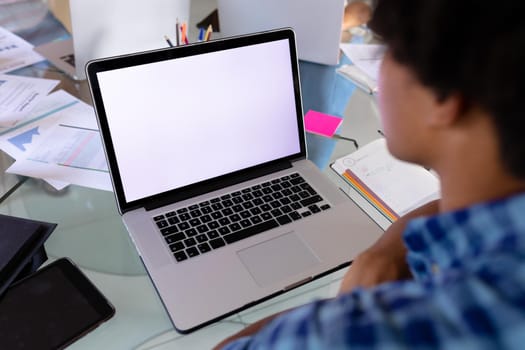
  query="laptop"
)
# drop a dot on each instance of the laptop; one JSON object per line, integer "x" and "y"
{"x": 206, "y": 148}
{"x": 317, "y": 24}
{"x": 103, "y": 28}
{"x": 60, "y": 54}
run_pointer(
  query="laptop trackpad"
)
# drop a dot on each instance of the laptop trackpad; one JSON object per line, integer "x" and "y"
{"x": 277, "y": 259}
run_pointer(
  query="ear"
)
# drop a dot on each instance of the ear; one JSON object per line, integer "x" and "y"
{"x": 446, "y": 110}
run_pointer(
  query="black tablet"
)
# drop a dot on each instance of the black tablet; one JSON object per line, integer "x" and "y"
{"x": 51, "y": 308}
{"x": 22, "y": 247}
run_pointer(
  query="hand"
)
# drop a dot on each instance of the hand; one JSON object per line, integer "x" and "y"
{"x": 356, "y": 13}
{"x": 385, "y": 260}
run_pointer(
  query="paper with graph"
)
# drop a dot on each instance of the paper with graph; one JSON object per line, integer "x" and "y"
{"x": 68, "y": 154}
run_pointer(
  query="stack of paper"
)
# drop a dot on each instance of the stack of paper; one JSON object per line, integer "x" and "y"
{"x": 59, "y": 142}
{"x": 53, "y": 137}
{"x": 392, "y": 186}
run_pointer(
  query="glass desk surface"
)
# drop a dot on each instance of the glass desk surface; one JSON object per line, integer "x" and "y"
{"x": 90, "y": 230}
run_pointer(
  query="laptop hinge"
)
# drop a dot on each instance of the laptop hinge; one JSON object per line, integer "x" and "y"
{"x": 216, "y": 184}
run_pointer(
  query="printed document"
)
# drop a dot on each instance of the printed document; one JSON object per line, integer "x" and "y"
{"x": 19, "y": 95}
{"x": 58, "y": 107}
{"x": 15, "y": 52}
{"x": 38, "y": 131}
{"x": 68, "y": 154}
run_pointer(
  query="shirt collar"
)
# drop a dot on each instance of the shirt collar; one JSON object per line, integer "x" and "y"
{"x": 450, "y": 240}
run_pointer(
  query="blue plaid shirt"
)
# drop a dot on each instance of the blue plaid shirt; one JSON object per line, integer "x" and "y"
{"x": 468, "y": 292}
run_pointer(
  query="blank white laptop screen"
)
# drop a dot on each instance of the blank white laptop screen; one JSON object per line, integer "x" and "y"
{"x": 181, "y": 121}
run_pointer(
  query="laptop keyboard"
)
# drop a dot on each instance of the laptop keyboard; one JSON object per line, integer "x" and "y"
{"x": 202, "y": 227}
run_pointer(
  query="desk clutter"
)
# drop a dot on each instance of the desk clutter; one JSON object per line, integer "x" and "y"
{"x": 182, "y": 37}
{"x": 51, "y": 136}
{"x": 391, "y": 186}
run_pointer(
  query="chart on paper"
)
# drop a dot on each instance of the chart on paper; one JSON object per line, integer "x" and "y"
{"x": 79, "y": 148}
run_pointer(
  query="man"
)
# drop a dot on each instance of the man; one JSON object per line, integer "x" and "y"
{"x": 450, "y": 275}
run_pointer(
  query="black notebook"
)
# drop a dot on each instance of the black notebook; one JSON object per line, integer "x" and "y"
{"x": 21, "y": 247}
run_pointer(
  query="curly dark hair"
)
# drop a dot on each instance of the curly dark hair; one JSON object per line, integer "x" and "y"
{"x": 475, "y": 48}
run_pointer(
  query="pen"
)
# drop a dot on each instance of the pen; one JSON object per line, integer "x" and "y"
{"x": 339, "y": 137}
{"x": 208, "y": 33}
{"x": 201, "y": 34}
{"x": 177, "y": 32}
{"x": 168, "y": 41}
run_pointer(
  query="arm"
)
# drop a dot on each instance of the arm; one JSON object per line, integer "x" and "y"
{"x": 464, "y": 309}
{"x": 384, "y": 260}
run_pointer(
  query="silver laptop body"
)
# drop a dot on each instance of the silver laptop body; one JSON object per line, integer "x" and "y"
{"x": 102, "y": 28}
{"x": 187, "y": 126}
{"x": 60, "y": 54}
{"x": 317, "y": 24}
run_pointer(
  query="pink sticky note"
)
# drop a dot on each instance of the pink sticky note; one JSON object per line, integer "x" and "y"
{"x": 321, "y": 124}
